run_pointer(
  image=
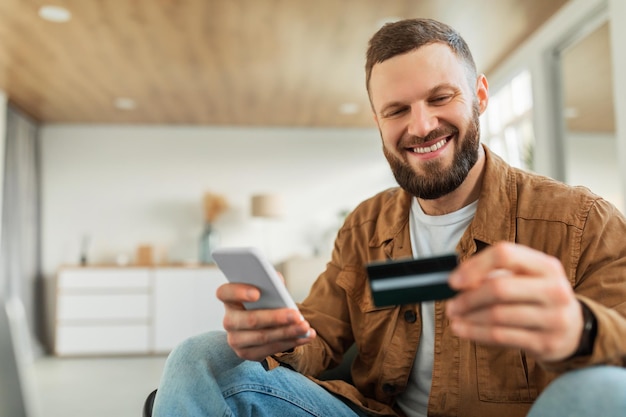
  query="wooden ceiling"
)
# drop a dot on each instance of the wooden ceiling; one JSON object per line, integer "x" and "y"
{"x": 224, "y": 62}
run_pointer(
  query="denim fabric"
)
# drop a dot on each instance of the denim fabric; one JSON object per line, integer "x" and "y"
{"x": 593, "y": 391}
{"x": 204, "y": 377}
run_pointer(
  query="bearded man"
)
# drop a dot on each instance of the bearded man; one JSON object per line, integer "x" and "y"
{"x": 539, "y": 319}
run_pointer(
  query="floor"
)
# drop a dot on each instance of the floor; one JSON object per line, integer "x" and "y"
{"x": 95, "y": 387}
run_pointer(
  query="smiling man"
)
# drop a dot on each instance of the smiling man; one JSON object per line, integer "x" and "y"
{"x": 427, "y": 107}
{"x": 538, "y": 326}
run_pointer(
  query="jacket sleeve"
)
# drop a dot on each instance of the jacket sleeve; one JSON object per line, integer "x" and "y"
{"x": 601, "y": 284}
{"x": 326, "y": 310}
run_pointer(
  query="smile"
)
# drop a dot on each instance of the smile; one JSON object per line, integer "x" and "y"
{"x": 432, "y": 148}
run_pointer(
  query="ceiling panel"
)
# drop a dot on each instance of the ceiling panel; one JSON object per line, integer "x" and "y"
{"x": 224, "y": 62}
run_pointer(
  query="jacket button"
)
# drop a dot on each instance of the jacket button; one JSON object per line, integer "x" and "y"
{"x": 410, "y": 316}
{"x": 389, "y": 388}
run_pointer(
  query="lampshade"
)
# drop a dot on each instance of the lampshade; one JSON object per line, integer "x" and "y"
{"x": 267, "y": 205}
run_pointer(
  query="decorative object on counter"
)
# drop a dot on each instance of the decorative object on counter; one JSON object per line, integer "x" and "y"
{"x": 122, "y": 259}
{"x": 209, "y": 240}
{"x": 84, "y": 247}
{"x": 214, "y": 206}
{"x": 267, "y": 206}
{"x": 145, "y": 255}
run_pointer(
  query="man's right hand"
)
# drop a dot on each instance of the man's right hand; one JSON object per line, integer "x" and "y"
{"x": 256, "y": 334}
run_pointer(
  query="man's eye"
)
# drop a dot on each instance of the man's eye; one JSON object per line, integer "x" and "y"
{"x": 441, "y": 99}
{"x": 394, "y": 112}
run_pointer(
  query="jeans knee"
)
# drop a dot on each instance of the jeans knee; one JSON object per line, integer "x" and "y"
{"x": 601, "y": 389}
{"x": 592, "y": 381}
{"x": 199, "y": 348}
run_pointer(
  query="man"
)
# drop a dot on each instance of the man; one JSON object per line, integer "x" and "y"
{"x": 541, "y": 281}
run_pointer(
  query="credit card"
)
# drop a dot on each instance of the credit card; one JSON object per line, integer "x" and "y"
{"x": 411, "y": 281}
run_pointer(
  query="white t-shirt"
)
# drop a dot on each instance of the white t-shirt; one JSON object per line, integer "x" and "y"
{"x": 430, "y": 236}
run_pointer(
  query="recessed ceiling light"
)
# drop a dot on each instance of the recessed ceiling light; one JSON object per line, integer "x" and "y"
{"x": 349, "y": 108}
{"x": 55, "y": 14}
{"x": 125, "y": 103}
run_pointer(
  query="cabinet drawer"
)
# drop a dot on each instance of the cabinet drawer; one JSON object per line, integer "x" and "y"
{"x": 92, "y": 339}
{"x": 103, "y": 306}
{"x": 104, "y": 278}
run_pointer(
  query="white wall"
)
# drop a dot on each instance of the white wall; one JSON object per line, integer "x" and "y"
{"x": 588, "y": 165}
{"x": 129, "y": 185}
{"x": 125, "y": 185}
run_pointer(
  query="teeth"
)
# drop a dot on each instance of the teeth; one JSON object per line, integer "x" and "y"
{"x": 432, "y": 148}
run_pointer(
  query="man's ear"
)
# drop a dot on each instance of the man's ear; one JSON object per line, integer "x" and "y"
{"x": 482, "y": 92}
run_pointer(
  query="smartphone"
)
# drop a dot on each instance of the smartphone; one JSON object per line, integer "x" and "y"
{"x": 411, "y": 281}
{"x": 247, "y": 265}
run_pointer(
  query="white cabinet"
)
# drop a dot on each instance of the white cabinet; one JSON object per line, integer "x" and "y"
{"x": 103, "y": 310}
{"x": 185, "y": 304}
{"x": 112, "y": 310}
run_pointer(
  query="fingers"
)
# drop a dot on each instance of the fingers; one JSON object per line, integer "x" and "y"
{"x": 547, "y": 334}
{"x": 237, "y": 319}
{"x": 256, "y": 334}
{"x": 237, "y": 294}
{"x": 510, "y": 306}
{"x": 510, "y": 289}
{"x": 521, "y": 316}
{"x": 262, "y": 347}
{"x": 503, "y": 256}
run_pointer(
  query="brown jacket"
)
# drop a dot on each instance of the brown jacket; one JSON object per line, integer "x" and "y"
{"x": 584, "y": 231}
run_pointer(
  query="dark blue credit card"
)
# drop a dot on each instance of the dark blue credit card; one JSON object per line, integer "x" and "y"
{"x": 411, "y": 281}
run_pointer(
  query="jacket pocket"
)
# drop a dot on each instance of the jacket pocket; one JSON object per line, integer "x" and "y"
{"x": 504, "y": 375}
{"x": 370, "y": 323}
{"x": 355, "y": 283}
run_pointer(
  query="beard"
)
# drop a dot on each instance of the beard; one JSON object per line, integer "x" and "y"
{"x": 439, "y": 180}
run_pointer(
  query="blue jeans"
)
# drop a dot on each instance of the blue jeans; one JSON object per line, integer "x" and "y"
{"x": 203, "y": 377}
{"x": 593, "y": 391}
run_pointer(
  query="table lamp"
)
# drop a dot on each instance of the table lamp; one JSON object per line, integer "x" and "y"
{"x": 267, "y": 206}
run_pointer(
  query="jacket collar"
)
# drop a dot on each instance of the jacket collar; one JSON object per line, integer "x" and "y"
{"x": 494, "y": 220}
{"x": 392, "y": 226}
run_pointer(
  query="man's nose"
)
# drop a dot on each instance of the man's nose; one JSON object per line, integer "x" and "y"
{"x": 423, "y": 121}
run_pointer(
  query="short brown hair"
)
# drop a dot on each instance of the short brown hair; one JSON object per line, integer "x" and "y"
{"x": 406, "y": 35}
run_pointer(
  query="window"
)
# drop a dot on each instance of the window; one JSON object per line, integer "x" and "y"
{"x": 507, "y": 125}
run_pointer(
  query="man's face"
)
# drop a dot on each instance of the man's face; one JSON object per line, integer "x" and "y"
{"x": 427, "y": 114}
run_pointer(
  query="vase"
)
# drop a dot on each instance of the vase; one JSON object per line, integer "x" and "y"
{"x": 208, "y": 242}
